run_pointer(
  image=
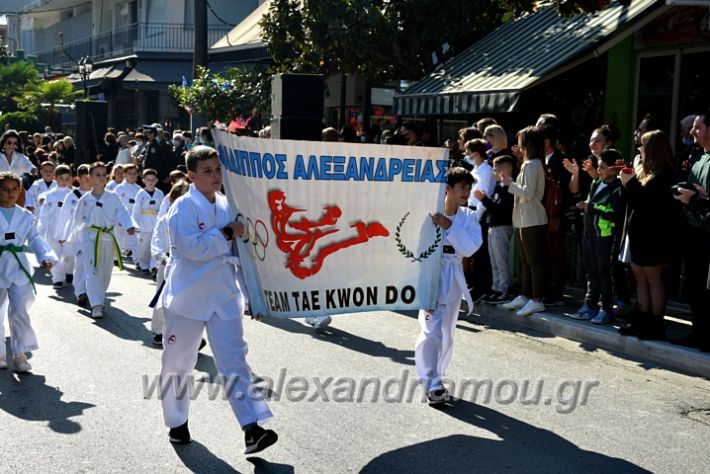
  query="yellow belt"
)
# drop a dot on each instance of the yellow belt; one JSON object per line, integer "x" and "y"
{"x": 149, "y": 212}
{"x": 97, "y": 244}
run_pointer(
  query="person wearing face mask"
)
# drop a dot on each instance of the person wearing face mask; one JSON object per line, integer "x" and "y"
{"x": 137, "y": 149}
{"x": 123, "y": 157}
{"x": 178, "y": 147}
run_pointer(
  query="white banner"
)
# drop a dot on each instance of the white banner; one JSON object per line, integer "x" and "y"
{"x": 335, "y": 227}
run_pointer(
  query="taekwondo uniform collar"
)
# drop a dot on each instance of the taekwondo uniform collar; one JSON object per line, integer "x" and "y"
{"x": 14, "y": 216}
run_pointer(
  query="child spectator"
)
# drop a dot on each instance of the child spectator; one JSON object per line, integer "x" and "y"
{"x": 602, "y": 211}
{"x": 499, "y": 216}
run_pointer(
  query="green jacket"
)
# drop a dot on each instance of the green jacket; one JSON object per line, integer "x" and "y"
{"x": 605, "y": 211}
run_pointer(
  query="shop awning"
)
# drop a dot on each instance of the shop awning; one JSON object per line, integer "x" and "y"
{"x": 489, "y": 76}
{"x": 246, "y": 35}
{"x": 146, "y": 73}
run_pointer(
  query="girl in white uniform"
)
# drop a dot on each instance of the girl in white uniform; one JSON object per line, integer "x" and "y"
{"x": 145, "y": 213}
{"x": 201, "y": 291}
{"x": 117, "y": 175}
{"x": 44, "y": 184}
{"x": 461, "y": 238}
{"x": 96, "y": 216}
{"x": 17, "y": 228}
{"x": 50, "y": 223}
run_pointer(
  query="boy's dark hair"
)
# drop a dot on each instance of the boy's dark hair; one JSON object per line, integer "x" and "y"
{"x": 197, "y": 154}
{"x": 610, "y": 156}
{"x": 549, "y": 120}
{"x": 179, "y": 188}
{"x": 176, "y": 175}
{"x": 62, "y": 169}
{"x": 610, "y": 132}
{"x": 47, "y": 163}
{"x": 457, "y": 175}
{"x": 477, "y": 145}
{"x": 149, "y": 171}
{"x": 469, "y": 133}
{"x": 550, "y": 133}
{"x": 8, "y": 175}
{"x": 96, "y": 164}
{"x": 504, "y": 160}
{"x": 82, "y": 170}
{"x": 481, "y": 124}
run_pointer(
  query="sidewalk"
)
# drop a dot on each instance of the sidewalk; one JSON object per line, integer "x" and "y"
{"x": 554, "y": 322}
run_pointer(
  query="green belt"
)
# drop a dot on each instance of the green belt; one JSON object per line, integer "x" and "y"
{"x": 14, "y": 250}
{"x": 97, "y": 244}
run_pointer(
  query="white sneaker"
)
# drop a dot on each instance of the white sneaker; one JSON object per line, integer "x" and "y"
{"x": 322, "y": 322}
{"x": 531, "y": 307}
{"x": 517, "y": 303}
{"x": 97, "y": 312}
{"x": 3, "y": 362}
{"x": 20, "y": 363}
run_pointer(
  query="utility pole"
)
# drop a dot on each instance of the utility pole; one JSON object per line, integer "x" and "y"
{"x": 199, "y": 57}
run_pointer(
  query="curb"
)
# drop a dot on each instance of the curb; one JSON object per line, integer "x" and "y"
{"x": 671, "y": 356}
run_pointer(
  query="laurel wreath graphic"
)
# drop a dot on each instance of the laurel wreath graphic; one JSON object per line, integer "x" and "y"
{"x": 408, "y": 253}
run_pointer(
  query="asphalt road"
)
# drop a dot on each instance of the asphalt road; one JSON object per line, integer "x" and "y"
{"x": 85, "y": 407}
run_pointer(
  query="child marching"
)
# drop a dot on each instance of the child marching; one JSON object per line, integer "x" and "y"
{"x": 50, "y": 225}
{"x": 461, "y": 238}
{"x": 145, "y": 213}
{"x": 96, "y": 216}
{"x": 17, "y": 228}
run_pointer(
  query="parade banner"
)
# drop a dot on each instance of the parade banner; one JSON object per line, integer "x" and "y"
{"x": 335, "y": 227}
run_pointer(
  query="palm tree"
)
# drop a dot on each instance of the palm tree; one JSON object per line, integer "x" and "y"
{"x": 15, "y": 77}
{"x": 44, "y": 96}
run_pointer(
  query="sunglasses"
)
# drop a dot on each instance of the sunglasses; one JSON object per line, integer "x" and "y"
{"x": 11, "y": 143}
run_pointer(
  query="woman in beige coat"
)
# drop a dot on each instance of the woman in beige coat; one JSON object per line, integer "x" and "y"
{"x": 530, "y": 221}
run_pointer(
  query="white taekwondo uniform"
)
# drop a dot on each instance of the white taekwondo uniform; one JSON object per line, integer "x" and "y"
{"x": 434, "y": 347}
{"x": 127, "y": 193}
{"x": 145, "y": 213}
{"x": 202, "y": 291}
{"x": 16, "y": 276}
{"x": 50, "y": 226}
{"x": 38, "y": 188}
{"x": 94, "y": 220}
{"x": 160, "y": 252}
{"x": 63, "y": 232}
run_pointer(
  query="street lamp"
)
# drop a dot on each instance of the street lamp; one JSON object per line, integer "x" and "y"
{"x": 85, "y": 68}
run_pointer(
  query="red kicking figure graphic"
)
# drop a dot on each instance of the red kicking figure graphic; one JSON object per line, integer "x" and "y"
{"x": 297, "y": 238}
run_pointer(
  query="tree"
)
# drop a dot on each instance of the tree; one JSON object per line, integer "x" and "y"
{"x": 15, "y": 77}
{"x": 565, "y": 8}
{"x": 36, "y": 95}
{"x": 237, "y": 93}
{"x": 380, "y": 39}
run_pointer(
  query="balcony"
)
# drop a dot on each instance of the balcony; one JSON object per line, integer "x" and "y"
{"x": 145, "y": 37}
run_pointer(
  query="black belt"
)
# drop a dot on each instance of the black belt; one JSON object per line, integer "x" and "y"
{"x": 449, "y": 249}
{"x": 473, "y": 208}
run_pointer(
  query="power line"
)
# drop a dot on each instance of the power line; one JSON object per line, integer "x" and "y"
{"x": 217, "y": 16}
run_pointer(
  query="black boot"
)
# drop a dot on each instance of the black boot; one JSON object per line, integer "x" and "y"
{"x": 654, "y": 329}
{"x": 636, "y": 324}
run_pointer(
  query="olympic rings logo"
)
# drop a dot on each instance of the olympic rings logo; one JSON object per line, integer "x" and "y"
{"x": 256, "y": 234}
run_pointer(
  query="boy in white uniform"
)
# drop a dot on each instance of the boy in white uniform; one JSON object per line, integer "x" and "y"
{"x": 160, "y": 251}
{"x": 201, "y": 291}
{"x": 145, "y": 213}
{"x": 461, "y": 238}
{"x": 95, "y": 217}
{"x": 50, "y": 225}
{"x": 63, "y": 233}
{"x": 17, "y": 228}
{"x": 127, "y": 191}
{"x": 39, "y": 187}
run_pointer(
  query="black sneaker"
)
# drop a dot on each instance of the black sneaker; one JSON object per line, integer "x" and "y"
{"x": 180, "y": 434}
{"x": 492, "y": 298}
{"x": 438, "y": 396}
{"x": 554, "y": 301}
{"x": 477, "y": 296}
{"x": 158, "y": 339}
{"x": 69, "y": 278}
{"x": 82, "y": 300}
{"x": 257, "y": 439}
{"x": 503, "y": 298}
{"x": 57, "y": 285}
